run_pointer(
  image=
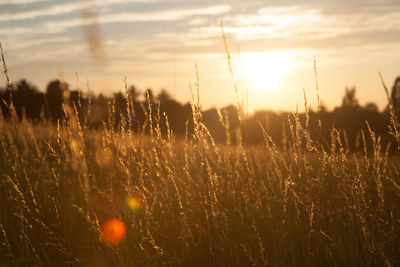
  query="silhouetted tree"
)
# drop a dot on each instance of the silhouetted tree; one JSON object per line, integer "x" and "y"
{"x": 55, "y": 93}
{"x": 177, "y": 113}
{"x": 28, "y": 100}
{"x": 120, "y": 107}
{"x": 164, "y": 96}
{"x": 349, "y": 99}
{"x": 99, "y": 111}
{"x": 133, "y": 93}
{"x": 371, "y": 107}
{"x": 349, "y": 118}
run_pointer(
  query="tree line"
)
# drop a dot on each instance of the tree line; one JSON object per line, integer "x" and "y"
{"x": 351, "y": 119}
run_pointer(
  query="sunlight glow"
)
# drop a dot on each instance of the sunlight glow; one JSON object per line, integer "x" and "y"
{"x": 264, "y": 71}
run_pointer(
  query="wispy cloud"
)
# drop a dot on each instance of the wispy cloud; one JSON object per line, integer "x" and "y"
{"x": 53, "y": 10}
{"x": 60, "y": 9}
{"x": 304, "y": 22}
{"x": 42, "y": 41}
{"x": 19, "y": 2}
{"x": 293, "y": 27}
{"x": 165, "y": 15}
{"x": 65, "y": 52}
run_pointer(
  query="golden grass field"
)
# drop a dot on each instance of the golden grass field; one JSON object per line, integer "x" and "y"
{"x": 75, "y": 196}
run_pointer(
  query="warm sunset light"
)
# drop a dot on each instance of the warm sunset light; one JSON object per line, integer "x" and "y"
{"x": 264, "y": 70}
{"x": 154, "y": 44}
{"x": 113, "y": 231}
{"x": 199, "y": 133}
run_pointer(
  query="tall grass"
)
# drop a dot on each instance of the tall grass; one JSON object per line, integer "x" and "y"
{"x": 196, "y": 203}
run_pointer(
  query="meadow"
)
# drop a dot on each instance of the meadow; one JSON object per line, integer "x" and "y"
{"x": 73, "y": 195}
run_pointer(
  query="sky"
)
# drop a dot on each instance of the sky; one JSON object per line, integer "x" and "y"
{"x": 157, "y": 44}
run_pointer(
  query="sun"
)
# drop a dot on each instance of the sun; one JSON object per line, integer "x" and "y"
{"x": 265, "y": 70}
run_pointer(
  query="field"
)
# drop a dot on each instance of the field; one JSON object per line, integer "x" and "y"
{"x": 75, "y": 195}
{"x": 189, "y": 201}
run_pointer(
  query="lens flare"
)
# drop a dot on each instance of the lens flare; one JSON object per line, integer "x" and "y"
{"x": 134, "y": 203}
{"x": 113, "y": 231}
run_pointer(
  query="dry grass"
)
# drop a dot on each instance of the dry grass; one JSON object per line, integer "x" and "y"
{"x": 197, "y": 203}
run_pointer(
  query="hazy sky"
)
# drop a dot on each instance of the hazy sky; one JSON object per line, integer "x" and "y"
{"x": 155, "y": 43}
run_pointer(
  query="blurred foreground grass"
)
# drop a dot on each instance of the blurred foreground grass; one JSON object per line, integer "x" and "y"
{"x": 192, "y": 202}
{"x": 70, "y": 195}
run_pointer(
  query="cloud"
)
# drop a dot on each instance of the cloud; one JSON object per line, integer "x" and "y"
{"x": 60, "y": 9}
{"x": 65, "y": 52}
{"x": 292, "y": 27}
{"x": 167, "y": 15}
{"x": 42, "y": 41}
{"x": 19, "y": 2}
{"x": 60, "y": 26}
{"x": 301, "y": 26}
{"x": 54, "y": 10}
{"x": 306, "y": 23}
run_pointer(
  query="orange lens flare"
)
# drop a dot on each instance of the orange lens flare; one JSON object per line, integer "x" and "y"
{"x": 113, "y": 231}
